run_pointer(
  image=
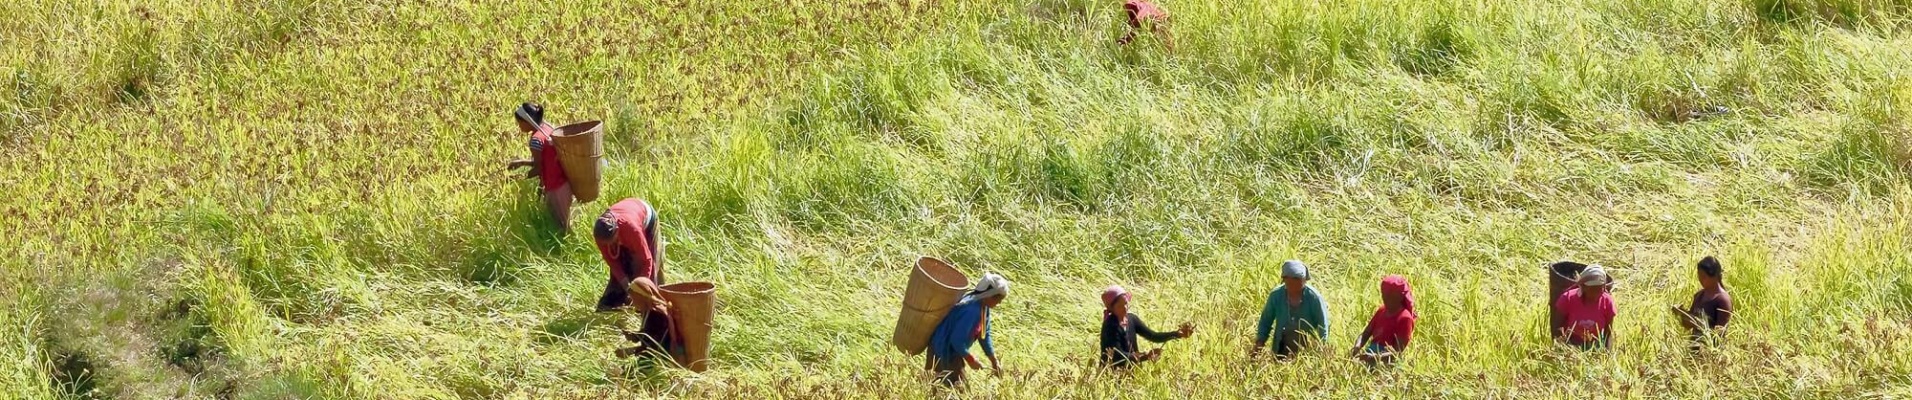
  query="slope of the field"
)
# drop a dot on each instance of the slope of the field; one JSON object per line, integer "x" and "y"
{"x": 306, "y": 198}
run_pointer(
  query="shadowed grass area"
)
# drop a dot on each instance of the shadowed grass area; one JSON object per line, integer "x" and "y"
{"x": 306, "y": 199}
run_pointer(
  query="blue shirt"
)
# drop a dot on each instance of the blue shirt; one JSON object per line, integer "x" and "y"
{"x": 955, "y": 334}
{"x": 1278, "y": 318}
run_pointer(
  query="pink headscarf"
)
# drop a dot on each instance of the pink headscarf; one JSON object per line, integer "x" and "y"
{"x": 1398, "y": 284}
{"x": 1109, "y": 296}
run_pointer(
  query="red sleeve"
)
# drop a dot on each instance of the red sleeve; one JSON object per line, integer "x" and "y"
{"x": 609, "y": 252}
{"x": 1607, "y": 310}
{"x": 1407, "y": 330}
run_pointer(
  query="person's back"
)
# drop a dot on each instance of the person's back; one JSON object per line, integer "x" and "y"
{"x": 966, "y": 324}
{"x": 626, "y": 238}
{"x": 955, "y": 333}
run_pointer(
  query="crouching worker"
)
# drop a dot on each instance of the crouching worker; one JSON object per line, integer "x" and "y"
{"x": 1391, "y": 326}
{"x": 1143, "y": 15}
{"x": 1586, "y": 312}
{"x": 1712, "y": 307}
{"x": 544, "y": 164}
{"x": 627, "y": 239}
{"x": 966, "y": 324}
{"x": 1120, "y": 329}
{"x": 1294, "y": 316}
{"x": 658, "y": 337}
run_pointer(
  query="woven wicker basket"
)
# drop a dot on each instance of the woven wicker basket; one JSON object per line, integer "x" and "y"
{"x": 934, "y": 287}
{"x": 695, "y": 305}
{"x": 581, "y": 152}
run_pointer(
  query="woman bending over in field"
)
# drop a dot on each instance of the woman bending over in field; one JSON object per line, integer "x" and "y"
{"x": 658, "y": 338}
{"x": 1120, "y": 328}
{"x": 544, "y": 164}
{"x": 966, "y": 324}
{"x": 626, "y": 237}
{"x": 1391, "y": 326}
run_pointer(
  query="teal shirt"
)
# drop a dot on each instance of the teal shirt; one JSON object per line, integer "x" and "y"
{"x": 1277, "y": 316}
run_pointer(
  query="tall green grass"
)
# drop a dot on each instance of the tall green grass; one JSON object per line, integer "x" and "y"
{"x": 305, "y": 199}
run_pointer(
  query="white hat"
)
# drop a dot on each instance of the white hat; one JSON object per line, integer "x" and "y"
{"x": 1594, "y": 275}
{"x": 991, "y": 285}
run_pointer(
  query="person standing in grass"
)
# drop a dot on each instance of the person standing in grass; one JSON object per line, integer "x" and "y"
{"x": 1586, "y": 311}
{"x": 1120, "y": 329}
{"x": 1294, "y": 316}
{"x": 1712, "y": 307}
{"x": 544, "y": 164}
{"x": 659, "y": 337}
{"x": 966, "y": 324}
{"x": 1391, "y": 326}
{"x": 627, "y": 239}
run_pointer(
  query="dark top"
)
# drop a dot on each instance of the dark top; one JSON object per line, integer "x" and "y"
{"x": 1119, "y": 345}
{"x": 658, "y": 336}
{"x": 1714, "y": 309}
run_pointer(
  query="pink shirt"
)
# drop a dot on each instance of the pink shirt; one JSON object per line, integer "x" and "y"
{"x": 1585, "y": 322}
{"x": 1141, "y": 11}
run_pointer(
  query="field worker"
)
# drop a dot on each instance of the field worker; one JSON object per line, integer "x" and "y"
{"x": 1391, "y": 326}
{"x": 1294, "y": 316}
{"x": 627, "y": 238}
{"x": 1712, "y": 307}
{"x": 659, "y": 336}
{"x": 966, "y": 324}
{"x": 544, "y": 164}
{"x": 1143, "y": 15}
{"x": 1586, "y": 311}
{"x": 1120, "y": 328}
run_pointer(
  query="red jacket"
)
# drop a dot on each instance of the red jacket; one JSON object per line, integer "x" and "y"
{"x": 544, "y": 152}
{"x": 633, "y": 241}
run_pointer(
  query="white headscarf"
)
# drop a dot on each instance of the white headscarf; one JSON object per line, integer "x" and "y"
{"x": 991, "y": 285}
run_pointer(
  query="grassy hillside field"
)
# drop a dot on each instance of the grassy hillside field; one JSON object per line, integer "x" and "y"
{"x": 277, "y": 199}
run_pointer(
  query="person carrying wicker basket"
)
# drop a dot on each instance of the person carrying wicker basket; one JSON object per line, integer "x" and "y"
{"x": 544, "y": 164}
